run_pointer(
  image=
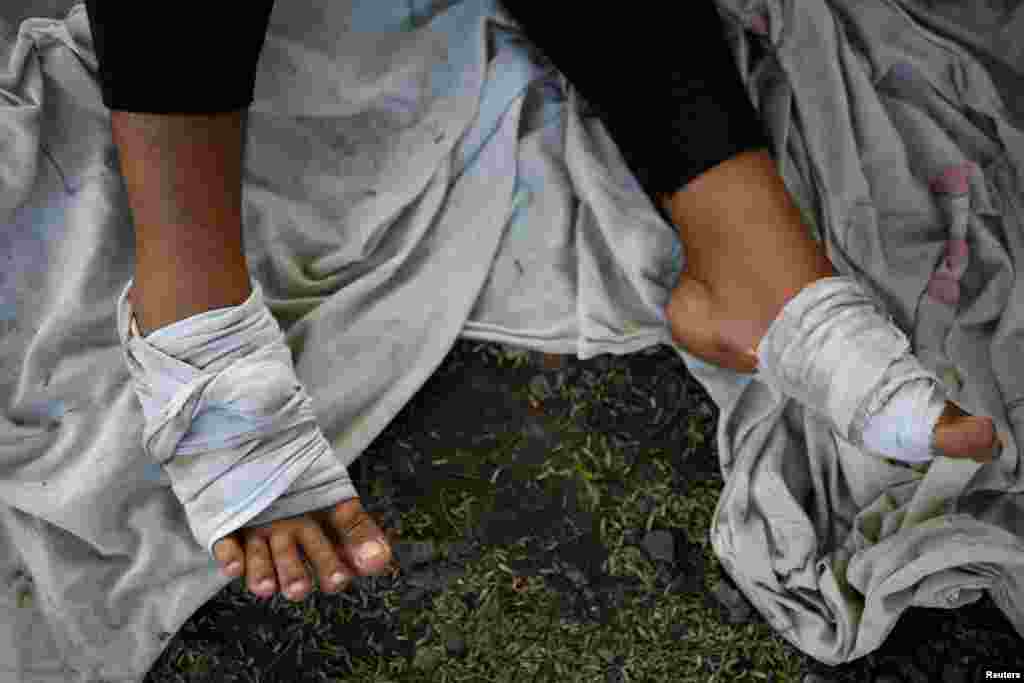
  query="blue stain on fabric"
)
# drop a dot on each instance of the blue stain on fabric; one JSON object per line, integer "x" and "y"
{"x": 904, "y": 80}
{"x": 43, "y": 410}
{"x": 522, "y": 196}
{"x": 511, "y": 73}
{"x": 153, "y": 472}
{"x": 456, "y": 30}
{"x": 8, "y": 311}
{"x": 553, "y": 104}
{"x": 217, "y": 421}
{"x": 521, "y": 199}
{"x": 903, "y": 71}
{"x": 382, "y": 16}
{"x": 675, "y": 263}
{"x": 54, "y": 409}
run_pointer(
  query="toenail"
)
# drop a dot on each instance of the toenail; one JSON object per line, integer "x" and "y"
{"x": 337, "y": 578}
{"x": 296, "y": 587}
{"x": 370, "y": 551}
{"x": 266, "y": 585}
{"x": 234, "y": 567}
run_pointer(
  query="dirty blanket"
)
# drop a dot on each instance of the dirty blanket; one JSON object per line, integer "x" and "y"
{"x": 415, "y": 173}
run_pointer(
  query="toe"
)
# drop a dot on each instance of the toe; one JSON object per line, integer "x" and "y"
{"x": 360, "y": 538}
{"x": 961, "y": 435}
{"x": 260, "y": 566}
{"x": 329, "y": 568}
{"x": 291, "y": 570}
{"x": 230, "y": 556}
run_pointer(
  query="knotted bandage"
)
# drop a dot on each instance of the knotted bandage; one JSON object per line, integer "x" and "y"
{"x": 228, "y": 419}
{"x": 832, "y": 350}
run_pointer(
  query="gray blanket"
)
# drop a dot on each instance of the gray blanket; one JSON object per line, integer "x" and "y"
{"x": 414, "y": 174}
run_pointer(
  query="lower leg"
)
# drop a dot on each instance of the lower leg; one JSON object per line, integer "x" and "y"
{"x": 746, "y": 241}
{"x": 184, "y": 178}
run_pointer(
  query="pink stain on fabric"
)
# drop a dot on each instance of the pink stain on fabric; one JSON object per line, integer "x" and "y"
{"x": 957, "y": 253}
{"x": 953, "y": 180}
{"x": 945, "y": 283}
{"x": 944, "y": 288}
{"x": 759, "y": 24}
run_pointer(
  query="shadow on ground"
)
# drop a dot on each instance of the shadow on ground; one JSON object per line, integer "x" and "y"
{"x": 550, "y": 520}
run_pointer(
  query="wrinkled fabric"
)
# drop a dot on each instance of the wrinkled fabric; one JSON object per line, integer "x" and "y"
{"x": 228, "y": 420}
{"x": 410, "y": 180}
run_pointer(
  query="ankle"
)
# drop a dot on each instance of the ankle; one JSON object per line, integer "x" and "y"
{"x": 160, "y": 295}
{"x": 746, "y": 240}
{"x": 153, "y": 312}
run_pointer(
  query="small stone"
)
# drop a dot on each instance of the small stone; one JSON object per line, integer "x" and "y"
{"x": 576, "y": 576}
{"x": 660, "y": 545}
{"x": 460, "y": 549}
{"x": 615, "y": 675}
{"x": 737, "y": 609}
{"x": 414, "y": 553}
{"x": 679, "y": 631}
{"x": 455, "y": 646}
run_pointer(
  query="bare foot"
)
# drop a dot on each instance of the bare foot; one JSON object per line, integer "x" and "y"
{"x": 330, "y": 538}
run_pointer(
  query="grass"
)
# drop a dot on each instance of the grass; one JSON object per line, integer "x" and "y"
{"x": 498, "y": 620}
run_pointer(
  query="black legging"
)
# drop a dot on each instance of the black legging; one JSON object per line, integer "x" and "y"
{"x": 662, "y": 79}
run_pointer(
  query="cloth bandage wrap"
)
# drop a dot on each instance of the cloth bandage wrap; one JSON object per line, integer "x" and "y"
{"x": 832, "y": 350}
{"x": 228, "y": 419}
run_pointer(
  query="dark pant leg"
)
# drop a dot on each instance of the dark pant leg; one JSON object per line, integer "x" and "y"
{"x": 661, "y": 76}
{"x": 184, "y": 57}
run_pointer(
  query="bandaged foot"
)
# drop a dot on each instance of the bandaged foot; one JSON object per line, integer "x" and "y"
{"x": 832, "y": 350}
{"x": 228, "y": 419}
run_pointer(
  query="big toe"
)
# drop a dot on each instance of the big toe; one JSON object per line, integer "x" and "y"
{"x": 230, "y": 556}
{"x": 960, "y": 435}
{"x": 364, "y": 544}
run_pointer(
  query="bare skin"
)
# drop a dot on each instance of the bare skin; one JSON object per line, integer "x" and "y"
{"x": 184, "y": 182}
{"x": 749, "y": 253}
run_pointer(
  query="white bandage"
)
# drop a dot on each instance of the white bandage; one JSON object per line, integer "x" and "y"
{"x": 832, "y": 350}
{"x": 228, "y": 419}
